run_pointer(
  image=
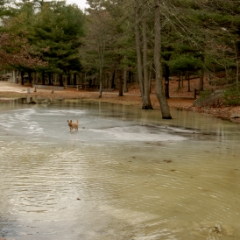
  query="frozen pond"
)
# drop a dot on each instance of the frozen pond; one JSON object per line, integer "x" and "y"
{"x": 126, "y": 174}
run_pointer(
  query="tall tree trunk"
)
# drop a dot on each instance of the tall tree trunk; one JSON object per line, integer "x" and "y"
{"x": 201, "y": 79}
{"x": 125, "y": 88}
{"x": 69, "y": 79}
{"x": 138, "y": 46}
{"x": 22, "y": 78}
{"x": 34, "y": 77}
{"x": 150, "y": 78}
{"x": 30, "y": 77}
{"x": 84, "y": 81}
{"x": 120, "y": 92}
{"x": 201, "y": 75}
{"x": 131, "y": 77}
{"x": 157, "y": 63}
{"x": 100, "y": 84}
{"x": 237, "y": 50}
{"x": 43, "y": 78}
{"x": 166, "y": 76}
{"x": 146, "y": 101}
{"x": 113, "y": 80}
{"x": 49, "y": 78}
{"x": 182, "y": 79}
{"x": 75, "y": 79}
{"x": 101, "y": 64}
{"x": 237, "y": 74}
{"x": 60, "y": 79}
{"x": 188, "y": 79}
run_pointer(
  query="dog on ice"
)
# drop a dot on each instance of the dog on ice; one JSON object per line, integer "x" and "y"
{"x": 72, "y": 125}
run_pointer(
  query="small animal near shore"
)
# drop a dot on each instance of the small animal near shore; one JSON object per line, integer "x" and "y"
{"x": 72, "y": 125}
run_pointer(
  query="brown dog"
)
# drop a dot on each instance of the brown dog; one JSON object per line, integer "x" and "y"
{"x": 72, "y": 125}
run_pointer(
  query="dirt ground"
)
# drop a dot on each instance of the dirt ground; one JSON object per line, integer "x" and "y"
{"x": 180, "y": 99}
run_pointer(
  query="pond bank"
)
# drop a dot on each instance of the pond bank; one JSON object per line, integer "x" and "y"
{"x": 10, "y": 90}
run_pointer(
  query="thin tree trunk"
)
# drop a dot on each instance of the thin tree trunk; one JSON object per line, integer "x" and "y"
{"x": 69, "y": 79}
{"x": 101, "y": 64}
{"x": 138, "y": 47}
{"x": 43, "y": 78}
{"x": 34, "y": 77}
{"x": 75, "y": 79}
{"x": 167, "y": 73}
{"x": 201, "y": 79}
{"x": 113, "y": 80}
{"x": 131, "y": 77}
{"x": 125, "y": 88}
{"x": 30, "y": 77}
{"x": 182, "y": 78}
{"x": 201, "y": 76}
{"x": 237, "y": 67}
{"x": 237, "y": 75}
{"x": 188, "y": 79}
{"x": 157, "y": 63}
{"x": 85, "y": 81}
{"x": 49, "y": 79}
{"x": 60, "y": 79}
{"x": 146, "y": 103}
{"x": 150, "y": 79}
{"x": 22, "y": 78}
{"x": 100, "y": 84}
{"x": 120, "y": 92}
{"x": 226, "y": 74}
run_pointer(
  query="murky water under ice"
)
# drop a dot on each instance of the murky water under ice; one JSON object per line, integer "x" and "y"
{"x": 126, "y": 174}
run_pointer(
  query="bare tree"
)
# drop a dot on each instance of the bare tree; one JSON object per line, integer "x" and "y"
{"x": 138, "y": 45}
{"x": 101, "y": 65}
{"x": 146, "y": 102}
{"x": 142, "y": 50}
{"x": 157, "y": 63}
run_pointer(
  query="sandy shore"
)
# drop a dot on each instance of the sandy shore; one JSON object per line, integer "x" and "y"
{"x": 179, "y": 100}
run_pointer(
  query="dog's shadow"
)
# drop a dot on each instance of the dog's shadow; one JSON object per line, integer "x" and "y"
{"x": 74, "y": 132}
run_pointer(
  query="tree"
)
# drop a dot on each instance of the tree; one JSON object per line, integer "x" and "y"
{"x": 44, "y": 32}
{"x": 15, "y": 49}
{"x": 57, "y": 35}
{"x": 108, "y": 41}
{"x": 17, "y": 52}
{"x": 142, "y": 62}
{"x": 185, "y": 63}
{"x": 210, "y": 27}
{"x": 96, "y": 39}
{"x": 157, "y": 63}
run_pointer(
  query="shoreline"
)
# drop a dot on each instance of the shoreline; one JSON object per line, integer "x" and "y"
{"x": 11, "y": 90}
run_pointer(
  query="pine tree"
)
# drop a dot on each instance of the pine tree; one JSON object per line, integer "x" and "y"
{"x": 57, "y": 35}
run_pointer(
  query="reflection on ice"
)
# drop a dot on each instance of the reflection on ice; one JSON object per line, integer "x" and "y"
{"x": 139, "y": 133}
{"x": 56, "y": 113}
{"x": 53, "y": 123}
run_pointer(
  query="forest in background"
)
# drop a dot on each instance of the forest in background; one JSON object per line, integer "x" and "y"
{"x": 116, "y": 42}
